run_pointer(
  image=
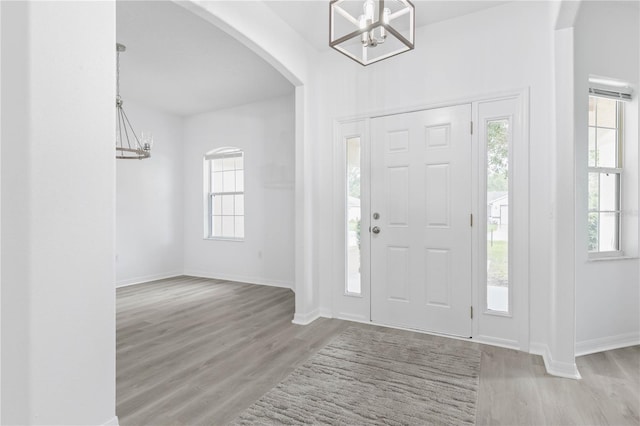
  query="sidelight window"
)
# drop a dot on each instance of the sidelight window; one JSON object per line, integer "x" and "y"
{"x": 354, "y": 214}
{"x": 497, "y": 140}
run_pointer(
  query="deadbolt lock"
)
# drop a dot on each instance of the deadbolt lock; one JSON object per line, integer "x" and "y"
{"x": 376, "y": 215}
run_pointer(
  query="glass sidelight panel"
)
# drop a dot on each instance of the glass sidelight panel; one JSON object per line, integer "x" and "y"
{"x": 497, "y": 139}
{"x": 354, "y": 214}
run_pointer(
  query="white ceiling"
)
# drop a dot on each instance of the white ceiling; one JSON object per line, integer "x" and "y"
{"x": 180, "y": 63}
{"x": 310, "y": 18}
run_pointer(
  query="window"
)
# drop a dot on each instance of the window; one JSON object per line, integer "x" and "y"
{"x": 354, "y": 215}
{"x": 224, "y": 190}
{"x": 605, "y": 176}
{"x": 497, "y": 140}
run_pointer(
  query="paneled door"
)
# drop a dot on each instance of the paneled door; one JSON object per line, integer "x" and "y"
{"x": 421, "y": 220}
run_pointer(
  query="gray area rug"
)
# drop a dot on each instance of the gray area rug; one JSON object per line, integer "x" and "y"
{"x": 367, "y": 377}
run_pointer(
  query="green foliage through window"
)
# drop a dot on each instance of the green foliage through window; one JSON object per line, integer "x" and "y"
{"x": 497, "y": 155}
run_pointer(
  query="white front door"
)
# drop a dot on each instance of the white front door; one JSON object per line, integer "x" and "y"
{"x": 421, "y": 239}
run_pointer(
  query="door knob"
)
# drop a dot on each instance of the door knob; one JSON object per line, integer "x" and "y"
{"x": 375, "y": 230}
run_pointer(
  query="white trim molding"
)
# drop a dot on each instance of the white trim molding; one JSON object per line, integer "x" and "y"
{"x": 353, "y": 318}
{"x": 240, "y": 279}
{"x": 145, "y": 279}
{"x": 111, "y": 422}
{"x": 306, "y": 319}
{"x": 555, "y": 368}
{"x": 607, "y": 343}
{"x": 496, "y": 341}
{"x": 326, "y": 312}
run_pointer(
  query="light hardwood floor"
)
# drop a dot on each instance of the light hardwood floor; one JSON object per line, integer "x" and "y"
{"x": 194, "y": 351}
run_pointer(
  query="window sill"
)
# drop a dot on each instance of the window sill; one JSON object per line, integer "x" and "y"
{"x": 616, "y": 257}
{"x": 498, "y": 313}
{"x": 237, "y": 240}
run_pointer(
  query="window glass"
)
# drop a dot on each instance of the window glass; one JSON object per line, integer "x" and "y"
{"x": 605, "y": 173}
{"x": 225, "y": 209}
{"x": 239, "y": 205}
{"x": 228, "y": 226}
{"x": 497, "y": 139}
{"x": 217, "y": 182}
{"x": 608, "y": 231}
{"x": 607, "y": 148}
{"x": 608, "y": 194}
{"x": 592, "y": 147}
{"x": 229, "y": 181}
{"x": 239, "y": 226}
{"x": 240, "y": 181}
{"x": 354, "y": 214}
{"x": 606, "y": 113}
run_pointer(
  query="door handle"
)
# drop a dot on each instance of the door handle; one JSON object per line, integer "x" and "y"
{"x": 375, "y": 230}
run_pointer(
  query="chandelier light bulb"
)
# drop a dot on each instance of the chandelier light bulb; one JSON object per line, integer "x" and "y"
{"x": 363, "y": 25}
{"x": 385, "y": 15}
{"x": 368, "y": 10}
{"x": 385, "y": 20}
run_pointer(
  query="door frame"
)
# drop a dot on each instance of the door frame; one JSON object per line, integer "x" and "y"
{"x": 345, "y": 306}
{"x": 341, "y": 310}
{"x": 491, "y": 327}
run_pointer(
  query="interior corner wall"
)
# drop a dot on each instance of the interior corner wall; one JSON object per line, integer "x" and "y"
{"x": 559, "y": 350}
{"x": 15, "y": 305}
{"x": 607, "y": 44}
{"x": 58, "y": 216}
{"x": 508, "y": 47}
{"x": 149, "y": 204}
{"x": 265, "y": 131}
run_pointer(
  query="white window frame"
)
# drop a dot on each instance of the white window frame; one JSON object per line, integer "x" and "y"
{"x": 210, "y": 193}
{"x": 618, "y": 170}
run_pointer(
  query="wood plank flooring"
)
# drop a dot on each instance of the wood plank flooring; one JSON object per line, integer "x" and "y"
{"x": 194, "y": 351}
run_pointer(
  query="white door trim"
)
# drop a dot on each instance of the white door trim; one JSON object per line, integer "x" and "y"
{"x": 488, "y": 326}
{"x": 522, "y": 94}
{"x": 350, "y": 306}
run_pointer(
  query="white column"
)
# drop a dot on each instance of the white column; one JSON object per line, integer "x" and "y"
{"x": 58, "y": 213}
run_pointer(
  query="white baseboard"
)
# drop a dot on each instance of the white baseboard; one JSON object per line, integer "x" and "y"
{"x": 608, "y": 343}
{"x": 305, "y": 319}
{"x": 240, "y": 279}
{"x": 111, "y": 422}
{"x": 326, "y": 313}
{"x": 495, "y": 341}
{"x": 353, "y": 318}
{"x": 568, "y": 370}
{"x": 147, "y": 278}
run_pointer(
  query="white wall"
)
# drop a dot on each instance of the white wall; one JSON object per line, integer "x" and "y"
{"x": 149, "y": 205}
{"x": 503, "y": 48}
{"x": 265, "y": 131}
{"x": 58, "y": 218}
{"x": 15, "y": 292}
{"x": 256, "y": 26}
{"x": 607, "y": 43}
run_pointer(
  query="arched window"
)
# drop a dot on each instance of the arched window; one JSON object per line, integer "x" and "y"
{"x": 224, "y": 191}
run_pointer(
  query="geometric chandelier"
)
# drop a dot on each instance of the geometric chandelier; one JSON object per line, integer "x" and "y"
{"x": 371, "y": 30}
{"x": 128, "y": 145}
